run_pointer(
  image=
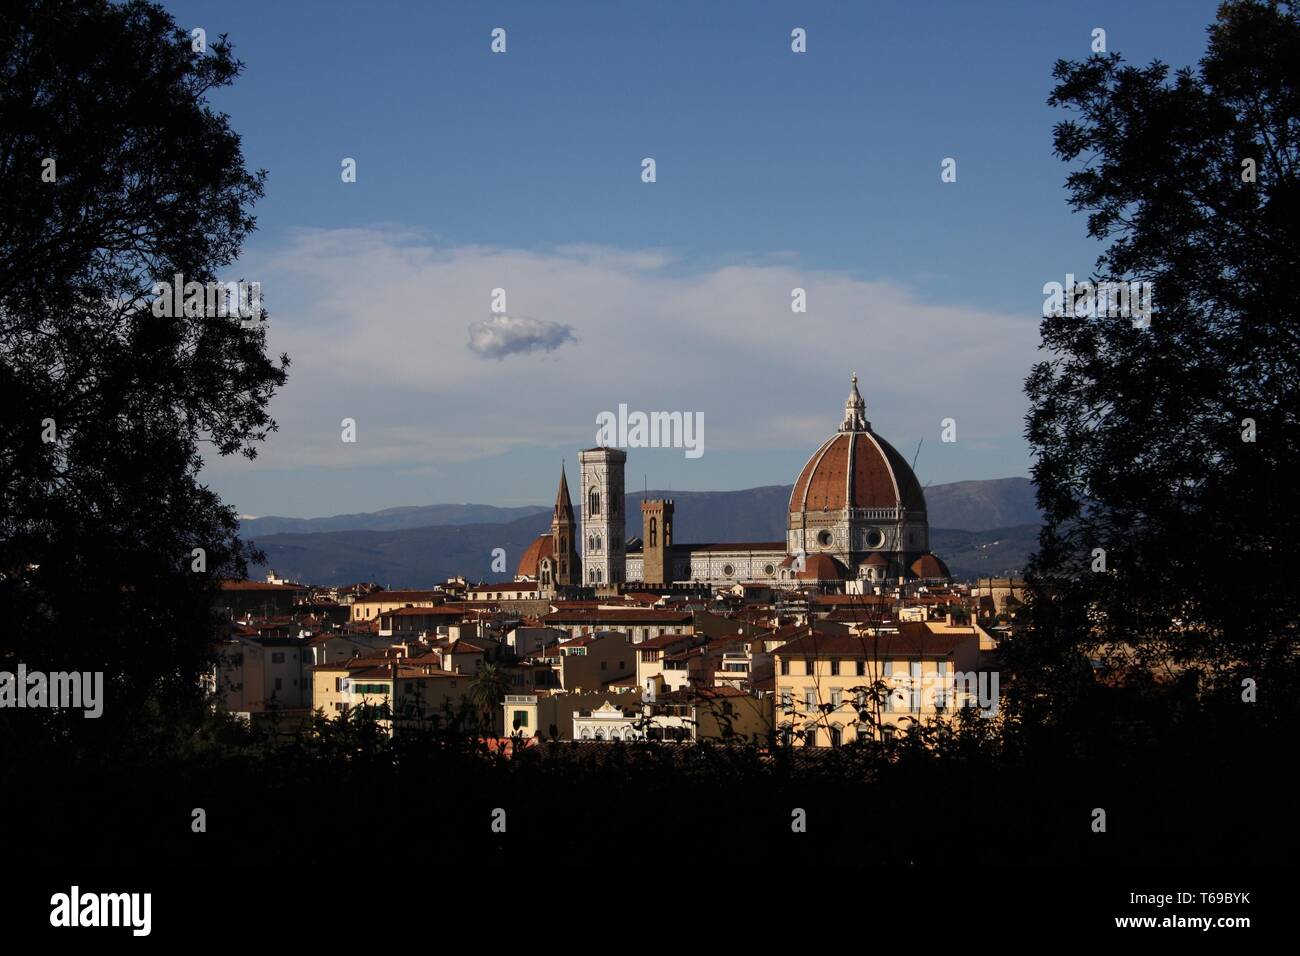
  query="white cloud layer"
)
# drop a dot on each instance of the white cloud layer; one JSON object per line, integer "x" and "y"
{"x": 375, "y": 319}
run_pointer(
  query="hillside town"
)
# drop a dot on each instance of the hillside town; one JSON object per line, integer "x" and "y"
{"x": 849, "y": 629}
{"x": 811, "y": 665}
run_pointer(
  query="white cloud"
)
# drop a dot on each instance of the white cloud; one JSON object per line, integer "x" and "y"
{"x": 503, "y": 335}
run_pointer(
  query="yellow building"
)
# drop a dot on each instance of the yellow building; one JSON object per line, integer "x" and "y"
{"x": 372, "y": 605}
{"x": 832, "y": 688}
{"x": 589, "y": 663}
{"x": 422, "y": 687}
{"x": 550, "y": 714}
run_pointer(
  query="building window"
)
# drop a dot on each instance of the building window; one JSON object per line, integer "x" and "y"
{"x": 835, "y": 667}
{"x": 654, "y": 533}
{"x": 824, "y": 538}
{"x": 835, "y": 699}
{"x": 279, "y": 683}
{"x": 809, "y": 666}
{"x": 837, "y": 736}
{"x": 768, "y": 570}
{"x": 520, "y": 719}
{"x": 787, "y": 698}
{"x": 874, "y": 538}
{"x": 277, "y": 657}
{"x": 862, "y": 668}
{"x": 810, "y": 699}
{"x": 941, "y": 690}
{"x": 915, "y": 674}
{"x": 728, "y": 570}
{"x": 785, "y": 667}
{"x": 810, "y": 737}
{"x": 593, "y": 502}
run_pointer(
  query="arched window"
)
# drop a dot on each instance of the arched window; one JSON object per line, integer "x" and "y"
{"x": 668, "y": 533}
{"x": 597, "y": 542}
{"x": 598, "y": 576}
{"x": 654, "y": 533}
{"x": 593, "y": 502}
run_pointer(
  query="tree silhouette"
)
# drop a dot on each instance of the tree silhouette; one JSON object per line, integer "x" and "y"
{"x": 115, "y": 175}
{"x": 1165, "y": 453}
{"x": 488, "y": 691}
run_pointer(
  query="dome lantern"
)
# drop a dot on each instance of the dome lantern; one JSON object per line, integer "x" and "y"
{"x": 855, "y": 410}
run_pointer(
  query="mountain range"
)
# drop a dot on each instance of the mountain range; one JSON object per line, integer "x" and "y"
{"x": 980, "y": 528}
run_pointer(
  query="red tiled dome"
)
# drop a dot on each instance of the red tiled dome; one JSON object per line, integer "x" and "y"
{"x": 821, "y": 567}
{"x": 929, "y": 566}
{"x": 856, "y": 469}
{"x": 542, "y": 547}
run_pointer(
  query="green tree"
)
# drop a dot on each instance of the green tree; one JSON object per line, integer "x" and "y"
{"x": 1190, "y": 178}
{"x": 116, "y": 174}
{"x": 487, "y": 692}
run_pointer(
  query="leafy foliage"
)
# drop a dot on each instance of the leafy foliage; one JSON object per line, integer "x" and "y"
{"x": 97, "y": 527}
{"x": 1138, "y": 432}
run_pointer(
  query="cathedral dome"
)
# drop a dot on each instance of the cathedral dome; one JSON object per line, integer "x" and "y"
{"x": 856, "y": 468}
{"x": 542, "y": 547}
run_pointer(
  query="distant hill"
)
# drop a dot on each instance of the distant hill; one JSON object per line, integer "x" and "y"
{"x": 390, "y": 519}
{"x": 405, "y": 558}
{"x": 982, "y": 505}
{"x": 997, "y": 531}
{"x": 759, "y": 514}
{"x": 998, "y": 552}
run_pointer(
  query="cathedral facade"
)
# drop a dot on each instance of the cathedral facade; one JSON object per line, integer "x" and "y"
{"x": 857, "y": 513}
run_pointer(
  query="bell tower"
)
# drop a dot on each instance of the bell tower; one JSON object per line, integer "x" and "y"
{"x": 657, "y": 540}
{"x": 604, "y": 552}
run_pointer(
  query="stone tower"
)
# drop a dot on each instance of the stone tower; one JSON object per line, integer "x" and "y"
{"x": 657, "y": 540}
{"x": 564, "y": 537}
{"x": 603, "y": 548}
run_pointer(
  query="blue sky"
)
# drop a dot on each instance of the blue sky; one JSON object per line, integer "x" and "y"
{"x": 522, "y": 171}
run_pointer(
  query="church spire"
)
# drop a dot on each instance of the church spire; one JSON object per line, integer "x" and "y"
{"x": 564, "y": 544}
{"x": 855, "y": 410}
{"x": 563, "y": 505}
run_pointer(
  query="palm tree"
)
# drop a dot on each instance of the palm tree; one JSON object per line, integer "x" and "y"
{"x": 487, "y": 692}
